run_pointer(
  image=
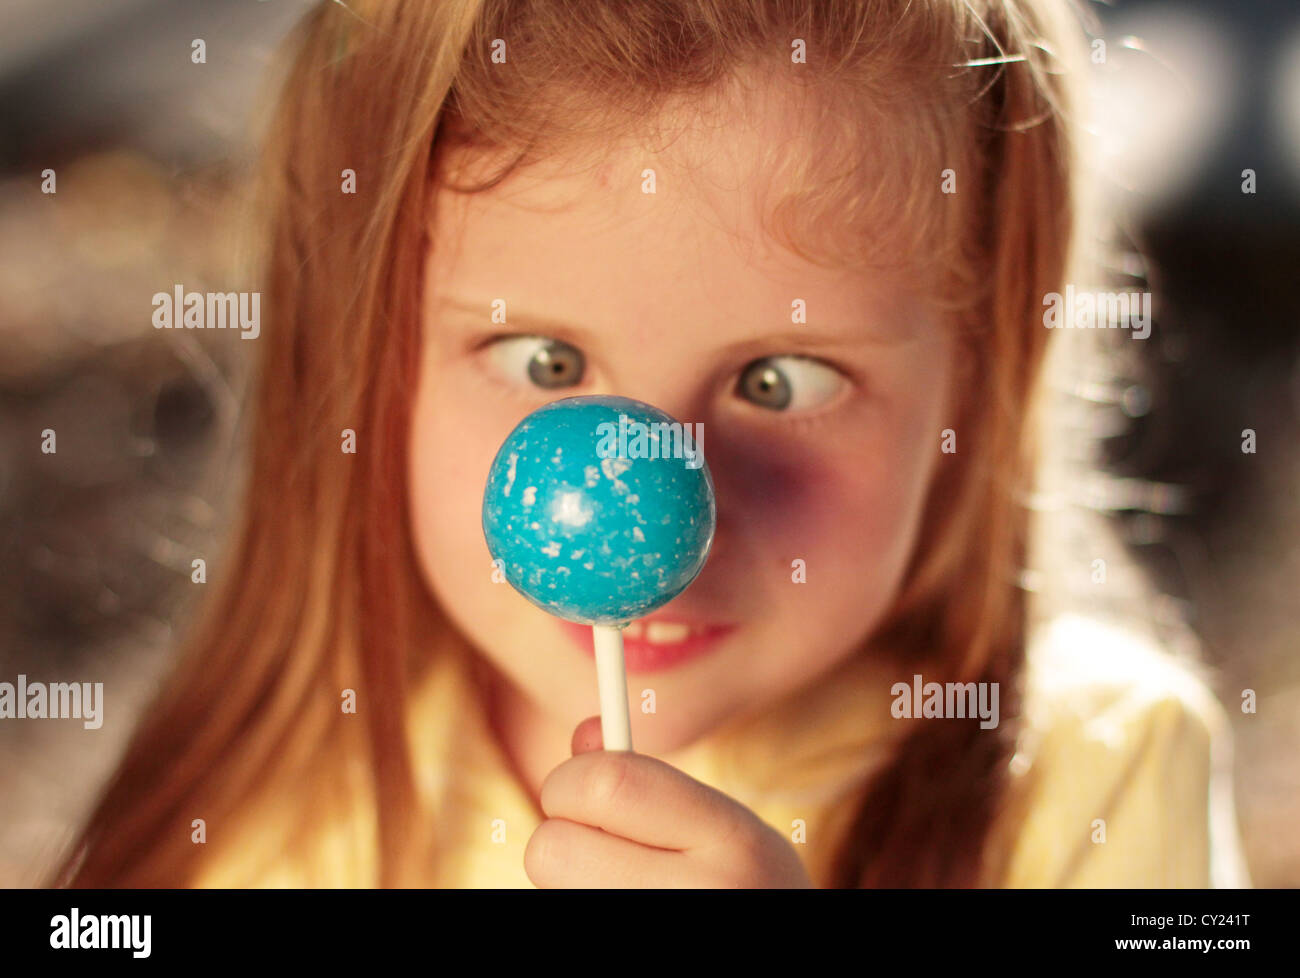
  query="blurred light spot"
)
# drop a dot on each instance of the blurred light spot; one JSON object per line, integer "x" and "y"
{"x": 1031, "y": 580}
{"x": 1287, "y": 106}
{"x": 1136, "y": 401}
{"x": 1163, "y": 100}
{"x": 1104, "y": 492}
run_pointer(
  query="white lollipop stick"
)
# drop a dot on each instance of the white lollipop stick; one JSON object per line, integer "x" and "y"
{"x": 611, "y": 678}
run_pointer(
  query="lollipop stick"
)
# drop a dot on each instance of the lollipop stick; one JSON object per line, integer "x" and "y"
{"x": 611, "y": 678}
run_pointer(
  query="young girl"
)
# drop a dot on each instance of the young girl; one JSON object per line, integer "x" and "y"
{"x": 825, "y": 230}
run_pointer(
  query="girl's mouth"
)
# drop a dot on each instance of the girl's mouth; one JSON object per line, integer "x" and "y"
{"x": 650, "y": 645}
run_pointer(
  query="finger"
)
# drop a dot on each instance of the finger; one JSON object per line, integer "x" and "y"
{"x": 566, "y": 855}
{"x": 587, "y": 736}
{"x": 641, "y": 798}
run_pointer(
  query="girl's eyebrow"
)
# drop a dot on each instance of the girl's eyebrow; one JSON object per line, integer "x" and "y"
{"x": 522, "y": 321}
{"x": 809, "y": 337}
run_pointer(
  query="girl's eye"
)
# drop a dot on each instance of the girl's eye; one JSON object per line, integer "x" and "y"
{"x": 789, "y": 383}
{"x": 545, "y": 362}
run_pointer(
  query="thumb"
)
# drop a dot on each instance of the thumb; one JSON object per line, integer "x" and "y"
{"x": 586, "y": 737}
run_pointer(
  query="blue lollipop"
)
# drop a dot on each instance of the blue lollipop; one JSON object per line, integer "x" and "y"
{"x": 600, "y": 510}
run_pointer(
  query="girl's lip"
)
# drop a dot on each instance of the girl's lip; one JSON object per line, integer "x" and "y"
{"x": 675, "y": 642}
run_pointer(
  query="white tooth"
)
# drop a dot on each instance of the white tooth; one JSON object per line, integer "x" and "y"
{"x": 634, "y": 630}
{"x": 666, "y": 632}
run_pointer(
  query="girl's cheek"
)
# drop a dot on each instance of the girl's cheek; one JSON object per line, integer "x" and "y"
{"x": 847, "y": 504}
{"x": 801, "y": 492}
{"x": 453, "y": 442}
{"x": 768, "y": 489}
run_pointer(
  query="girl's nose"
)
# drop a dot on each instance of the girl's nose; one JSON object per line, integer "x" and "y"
{"x": 685, "y": 403}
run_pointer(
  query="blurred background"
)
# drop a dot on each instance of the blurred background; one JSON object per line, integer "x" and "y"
{"x": 151, "y": 152}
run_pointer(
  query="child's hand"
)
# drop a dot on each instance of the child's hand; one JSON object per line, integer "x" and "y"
{"x": 622, "y": 819}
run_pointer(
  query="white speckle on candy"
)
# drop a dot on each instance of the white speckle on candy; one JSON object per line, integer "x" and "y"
{"x": 530, "y": 495}
{"x": 569, "y": 510}
{"x": 510, "y": 473}
{"x": 614, "y": 467}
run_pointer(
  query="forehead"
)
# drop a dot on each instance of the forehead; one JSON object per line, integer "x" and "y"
{"x": 676, "y": 222}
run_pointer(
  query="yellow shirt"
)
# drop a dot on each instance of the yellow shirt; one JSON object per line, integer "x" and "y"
{"x": 1122, "y": 777}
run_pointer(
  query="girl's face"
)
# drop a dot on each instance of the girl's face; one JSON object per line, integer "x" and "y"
{"x": 821, "y": 436}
